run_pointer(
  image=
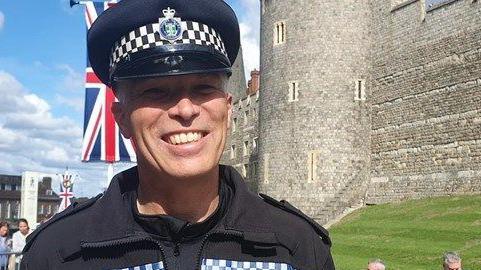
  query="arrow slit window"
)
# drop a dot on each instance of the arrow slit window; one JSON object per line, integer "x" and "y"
{"x": 280, "y": 33}
{"x": 246, "y": 148}
{"x": 360, "y": 90}
{"x": 293, "y": 91}
{"x": 232, "y": 152}
{"x": 312, "y": 166}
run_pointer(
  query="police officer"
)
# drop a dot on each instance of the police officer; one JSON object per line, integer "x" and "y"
{"x": 169, "y": 62}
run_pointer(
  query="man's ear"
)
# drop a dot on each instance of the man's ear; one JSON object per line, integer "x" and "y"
{"x": 229, "y": 110}
{"x": 122, "y": 119}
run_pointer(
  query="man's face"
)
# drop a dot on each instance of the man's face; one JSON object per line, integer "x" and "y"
{"x": 23, "y": 227}
{"x": 3, "y": 231}
{"x": 452, "y": 266}
{"x": 178, "y": 124}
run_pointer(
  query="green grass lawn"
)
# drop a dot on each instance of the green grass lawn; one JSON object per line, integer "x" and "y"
{"x": 410, "y": 235}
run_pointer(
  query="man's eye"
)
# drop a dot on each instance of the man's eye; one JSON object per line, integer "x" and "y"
{"x": 156, "y": 93}
{"x": 206, "y": 90}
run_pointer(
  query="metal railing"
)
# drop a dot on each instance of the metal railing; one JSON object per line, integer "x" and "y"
{"x": 10, "y": 260}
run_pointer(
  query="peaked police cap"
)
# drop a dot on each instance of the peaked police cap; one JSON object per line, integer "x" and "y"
{"x": 151, "y": 38}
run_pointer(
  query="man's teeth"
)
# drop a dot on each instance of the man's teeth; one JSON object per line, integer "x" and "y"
{"x": 185, "y": 137}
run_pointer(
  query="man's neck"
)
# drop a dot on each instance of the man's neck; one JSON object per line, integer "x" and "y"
{"x": 192, "y": 200}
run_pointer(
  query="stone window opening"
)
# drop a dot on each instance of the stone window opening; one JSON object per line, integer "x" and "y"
{"x": 234, "y": 124}
{"x": 246, "y": 118}
{"x": 16, "y": 211}
{"x": 245, "y": 170}
{"x": 360, "y": 90}
{"x": 293, "y": 91}
{"x": 280, "y": 33}
{"x": 232, "y": 151}
{"x": 312, "y": 166}
{"x": 9, "y": 210}
{"x": 246, "y": 148}
{"x": 254, "y": 145}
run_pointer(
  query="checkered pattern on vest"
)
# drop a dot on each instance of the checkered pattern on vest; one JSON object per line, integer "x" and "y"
{"x": 213, "y": 264}
{"x": 151, "y": 266}
{"x": 147, "y": 37}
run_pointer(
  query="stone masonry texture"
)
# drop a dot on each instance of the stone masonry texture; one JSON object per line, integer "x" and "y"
{"x": 415, "y": 132}
{"x": 426, "y": 101}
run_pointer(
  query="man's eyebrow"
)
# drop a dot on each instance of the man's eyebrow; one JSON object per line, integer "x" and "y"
{"x": 206, "y": 85}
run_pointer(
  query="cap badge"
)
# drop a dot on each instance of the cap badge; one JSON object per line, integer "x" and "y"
{"x": 170, "y": 28}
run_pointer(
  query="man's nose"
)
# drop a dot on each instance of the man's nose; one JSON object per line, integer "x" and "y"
{"x": 185, "y": 109}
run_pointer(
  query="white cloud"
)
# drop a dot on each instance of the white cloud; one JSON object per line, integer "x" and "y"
{"x": 2, "y": 20}
{"x": 72, "y": 80}
{"x": 33, "y": 138}
{"x": 76, "y": 103}
{"x": 250, "y": 28}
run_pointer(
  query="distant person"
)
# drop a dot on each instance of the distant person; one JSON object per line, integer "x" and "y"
{"x": 376, "y": 264}
{"x": 19, "y": 237}
{"x": 5, "y": 245}
{"x": 451, "y": 261}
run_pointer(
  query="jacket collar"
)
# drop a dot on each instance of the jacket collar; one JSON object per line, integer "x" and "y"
{"x": 112, "y": 220}
{"x": 111, "y": 217}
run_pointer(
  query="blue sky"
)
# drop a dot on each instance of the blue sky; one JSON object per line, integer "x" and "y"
{"x": 42, "y": 61}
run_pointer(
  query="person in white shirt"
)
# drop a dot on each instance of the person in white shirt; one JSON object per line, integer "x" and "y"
{"x": 19, "y": 237}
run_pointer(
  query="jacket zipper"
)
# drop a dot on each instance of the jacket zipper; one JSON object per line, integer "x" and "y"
{"x": 127, "y": 241}
{"x": 205, "y": 240}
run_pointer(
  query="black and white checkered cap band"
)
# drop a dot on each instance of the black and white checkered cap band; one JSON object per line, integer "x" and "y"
{"x": 147, "y": 37}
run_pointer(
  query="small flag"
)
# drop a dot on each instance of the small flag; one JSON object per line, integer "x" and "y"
{"x": 66, "y": 191}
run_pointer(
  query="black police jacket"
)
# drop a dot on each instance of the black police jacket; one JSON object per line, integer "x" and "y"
{"x": 256, "y": 232}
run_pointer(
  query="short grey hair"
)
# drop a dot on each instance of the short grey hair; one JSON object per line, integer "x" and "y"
{"x": 451, "y": 257}
{"x": 377, "y": 261}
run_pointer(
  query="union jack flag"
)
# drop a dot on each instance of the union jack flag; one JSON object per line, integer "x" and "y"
{"x": 102, "y": 139}
{"x": 66, "y": 191}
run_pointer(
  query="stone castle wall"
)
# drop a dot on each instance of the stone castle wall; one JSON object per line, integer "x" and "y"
{"x": 426, "y": 100}
{"x": 241, "y": 147}
{"x": 312, "y": 148}
{"x": 388, "y": 105}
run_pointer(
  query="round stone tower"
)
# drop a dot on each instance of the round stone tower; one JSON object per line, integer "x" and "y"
{"x": 313, "y": 115}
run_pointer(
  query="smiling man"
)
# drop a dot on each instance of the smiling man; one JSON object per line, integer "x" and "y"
{"x": 169, "y": 62}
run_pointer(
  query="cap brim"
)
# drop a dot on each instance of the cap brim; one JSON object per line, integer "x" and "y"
{"x": 169, "y": 61}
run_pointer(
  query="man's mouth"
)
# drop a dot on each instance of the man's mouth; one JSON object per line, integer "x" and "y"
{"x": 184, "y": 138}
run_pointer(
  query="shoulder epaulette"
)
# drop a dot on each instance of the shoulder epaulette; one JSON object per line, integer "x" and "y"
{"x": 286, "y": 206}
{"x": 72, "y": 209}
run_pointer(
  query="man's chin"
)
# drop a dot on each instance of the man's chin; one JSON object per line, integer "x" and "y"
{"x": 188, "y": 171}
